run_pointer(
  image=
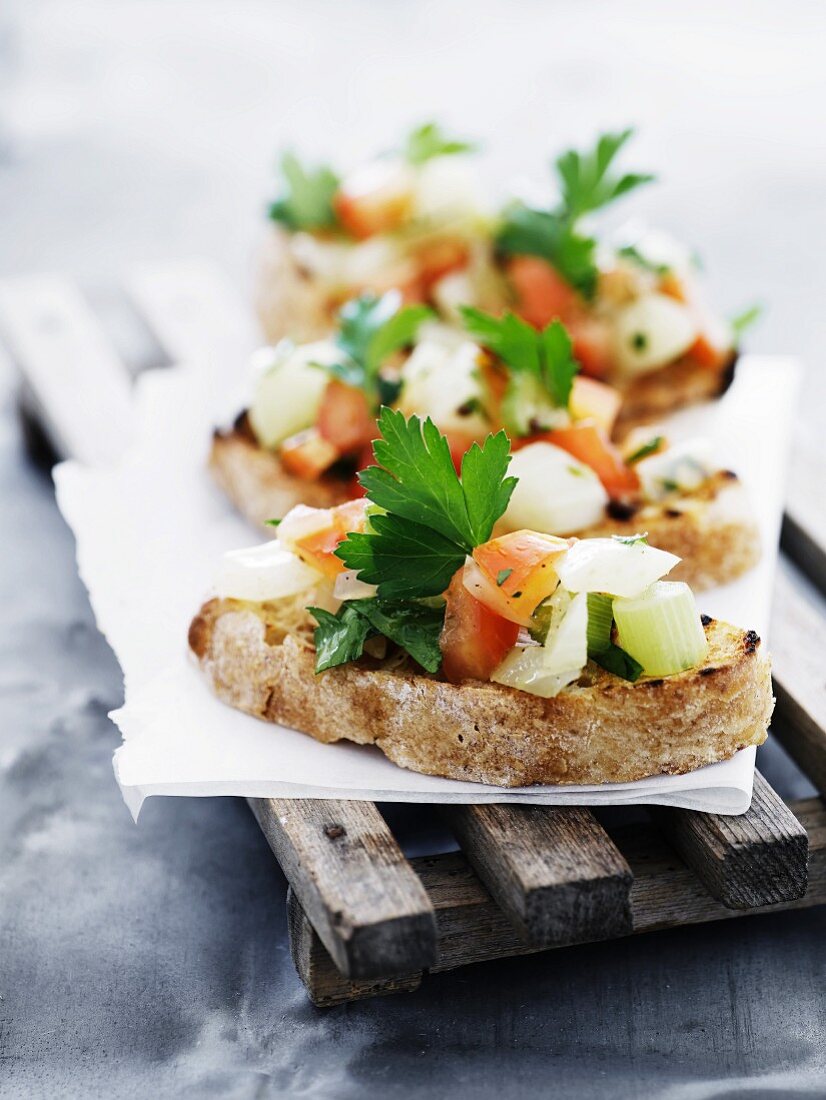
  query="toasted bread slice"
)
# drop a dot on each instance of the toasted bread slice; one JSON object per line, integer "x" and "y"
{"x": 289, "y": 301}
{"x": 711, "y": 529}
{"x": 599, "y": 730}
{"x": 651, "y": 397}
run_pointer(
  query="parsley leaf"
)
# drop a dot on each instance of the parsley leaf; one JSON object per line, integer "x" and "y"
{"x": 546, "y": 234}
{"x": 427, "y": 141}
{"x": 744, "y": 320}
{"x": 548, "y": 355}
{"x": 631, "y": 252}
{"x": 631, "y": 540}
{"x": 585, "y": 182}
{"x": 272, "y": 522}
{"x": 645, "y": 450}
{"x": 371, "y": 328}
{"x": 616, "y": 660}
{"x": 433, "y": 520}
{"x": 585, "y": 185}
{"x": 338, "y": 638}
{"x": 306, "y": 198}
{"x": 412, "y": 626}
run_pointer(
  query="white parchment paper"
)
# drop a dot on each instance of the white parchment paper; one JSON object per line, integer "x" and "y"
{"x": 150, "y": 531}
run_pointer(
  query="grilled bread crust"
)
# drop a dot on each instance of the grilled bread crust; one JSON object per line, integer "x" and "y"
{"x": 711, "y": 529}
{"x": 598, "y": 730}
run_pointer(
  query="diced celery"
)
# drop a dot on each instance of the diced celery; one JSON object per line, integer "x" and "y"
{"x": 600, "y": 618}
{"x": 661, "y": 628}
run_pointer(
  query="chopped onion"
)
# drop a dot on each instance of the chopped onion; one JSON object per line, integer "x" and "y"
{"x": 266, "y": 572}
{"x": 349, "y": 587}
{"x": 613, "y": 566}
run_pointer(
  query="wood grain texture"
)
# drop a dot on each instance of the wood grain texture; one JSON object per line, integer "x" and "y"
{"x": 756, "y": 859}
{"x": 798, "y": 648}
{"x": 555, "y": 872}
{"x": 665, "y": 893}
{"x": 318, "y": 972}
{"x": 362, "y": 896}
{"x": 804, "y": 524}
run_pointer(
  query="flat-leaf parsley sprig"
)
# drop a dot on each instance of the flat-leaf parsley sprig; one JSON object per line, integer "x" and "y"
{"x": 425, "y": 521}
{"x": 586, "y": 183}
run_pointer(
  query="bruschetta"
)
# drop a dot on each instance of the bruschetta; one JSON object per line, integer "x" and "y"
{"x": 312, "y": 419}
{"x": 634, "y": 304}
{"x": 402, "y": 620}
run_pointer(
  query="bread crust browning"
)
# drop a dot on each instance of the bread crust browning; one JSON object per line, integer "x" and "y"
{"x": 599, "y": 730}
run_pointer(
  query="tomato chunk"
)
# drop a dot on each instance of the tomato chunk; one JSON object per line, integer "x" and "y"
{"x": 317, "y": 547}
{"x": 374, "y": 199}
{"x": 541, "y": 293}
{"x": 593, "y": 346}
{"x": 592, "y": 400}
{"x": 344, "y": 417}
{"x": 307, "y": 454}
{"x": 586, "y": 441}
{"x": 514, "y": 573}
{"x": 474, "y": 639}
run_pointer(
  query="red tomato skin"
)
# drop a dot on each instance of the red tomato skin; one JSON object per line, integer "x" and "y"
{"x": 541, "y": 293}
{"x": 474, "y": 639}
{"x": 344, "y": 418}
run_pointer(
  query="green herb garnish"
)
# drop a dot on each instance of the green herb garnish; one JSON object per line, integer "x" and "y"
{"x": 414, "y": 627}
{"x": 432, "y": 519}
{"x": 371, "y": 328}
{"x": 616, "y": 660}
{"x": 427, "y": 141}
{"x": 306, "y": 198}
{"x": 502, "y": 576}
{"x": 546, "y": 355}
{"x": 585, "y": 184}
{"x": 631, "y": 540}
{"x": 645, "y": 450}
{"x": 631, "y": 252}
{"x": 744, "y": 321}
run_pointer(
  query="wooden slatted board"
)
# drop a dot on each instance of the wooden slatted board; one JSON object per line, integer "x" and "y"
{"x": 363, "y": 919}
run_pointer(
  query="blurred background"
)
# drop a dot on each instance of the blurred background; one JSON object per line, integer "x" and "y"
{"x": 149, "y": 129}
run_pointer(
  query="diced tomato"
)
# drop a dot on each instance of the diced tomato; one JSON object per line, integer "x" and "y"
{"x": 586, "y": 441}
{"x": 307, "y": 454}
{"x": 374, "y": 199}
{"x": 494, "y": 383}
{"x": 593, "y": 346}
{"x": 592, "y": 400}
{"x": 317, "y": 548}
{"x": 707, "y": 354}
{"x": 672, "y": 285}
{"x": 474, "y": 639}
{"x": 541, "y": 293}
{"x": 438, "y": 259}
{"x": 514, "y": 573}
{"x": 344, "y": 417}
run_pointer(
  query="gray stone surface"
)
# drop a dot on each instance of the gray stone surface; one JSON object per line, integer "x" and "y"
{"x": 152, "y": 960}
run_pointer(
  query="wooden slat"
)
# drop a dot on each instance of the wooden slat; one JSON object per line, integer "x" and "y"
{"x": 324, "y": 982}
{"x": 362, "y": 896}
{"x": 804, "y": 525}
{"x": 75, "y": 381}
{"x": 555, "y": 872}
{"x": 799, "y": 670}
{"x": 197, "y": 313}
{"x": 756, "y": 859}
{"x": 666, "y": 893}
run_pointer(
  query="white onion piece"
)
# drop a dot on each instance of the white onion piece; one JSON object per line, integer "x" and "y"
{"x": 652, "y": 331}
{"x": 612, "y": 566}
{"x": 349, "y": 587}
{"x": 555, "y": 493}
{"x": 300, "y": 522}
{"x": 266, "y": 572}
